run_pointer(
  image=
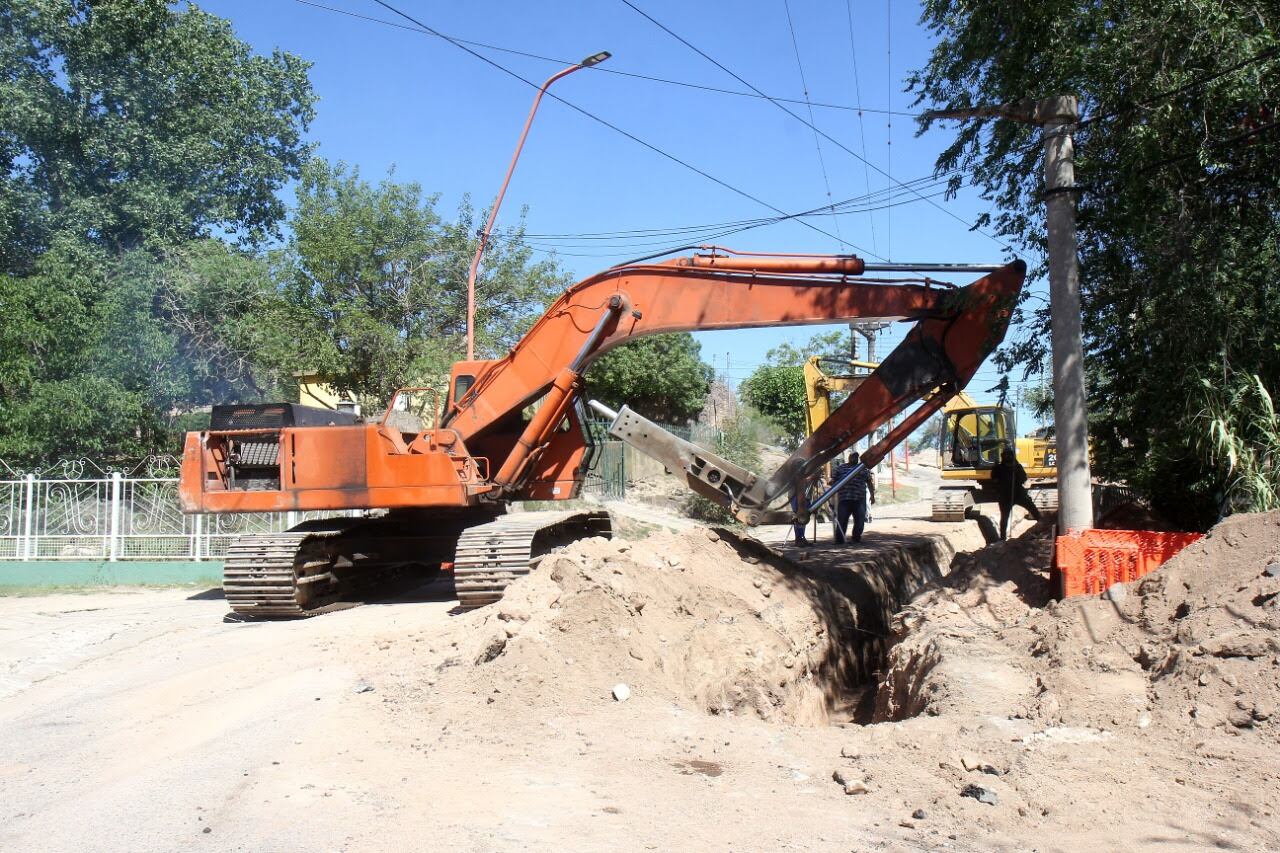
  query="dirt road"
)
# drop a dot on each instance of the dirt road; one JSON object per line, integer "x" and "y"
{"x": 144, "y": 721}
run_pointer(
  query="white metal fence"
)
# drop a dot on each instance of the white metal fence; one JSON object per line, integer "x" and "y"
{"x": 80, "y": 511}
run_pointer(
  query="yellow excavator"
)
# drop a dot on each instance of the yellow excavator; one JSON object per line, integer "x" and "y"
{"x": 820, "y": 385}
{"x": 973, "y": 435}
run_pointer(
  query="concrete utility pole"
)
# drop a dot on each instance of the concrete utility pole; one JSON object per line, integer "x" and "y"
{"x": 868, "y": 329}
{"x": 1057, "y": 117}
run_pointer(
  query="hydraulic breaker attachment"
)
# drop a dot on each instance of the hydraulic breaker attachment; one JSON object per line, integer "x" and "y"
{"x": 711, "y": 476}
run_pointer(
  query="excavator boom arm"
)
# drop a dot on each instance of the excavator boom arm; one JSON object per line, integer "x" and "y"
{"x": 684, "y": 294}
{"x": 956, "y": 329}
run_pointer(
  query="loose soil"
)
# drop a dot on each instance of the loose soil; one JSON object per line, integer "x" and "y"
{"x": 1002, "y": 720}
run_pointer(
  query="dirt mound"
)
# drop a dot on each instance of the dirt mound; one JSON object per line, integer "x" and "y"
{"x": 696, "y": 618}
{"x": 1194, "y": 644}
{"x": 702, "y": 618}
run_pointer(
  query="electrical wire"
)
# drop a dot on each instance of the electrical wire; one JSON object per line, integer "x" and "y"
{"x": 849, "y": 204}
{"x": 602, "y": 68}
{"x": 691, "y": 240}
{"x": 817, "y": 140}
{"x": 888, "y": 147}
{"x": 673, "y": 158}
{"x": 858, "y": 108}
{"x": 862, "y": 130}
{"x": 968, "y": 226}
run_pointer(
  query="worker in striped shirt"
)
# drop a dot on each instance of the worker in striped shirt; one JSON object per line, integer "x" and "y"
{"x": 853, "y": 498}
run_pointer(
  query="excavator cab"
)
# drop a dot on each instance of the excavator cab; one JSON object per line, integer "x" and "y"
{"x": 973, "y": 438}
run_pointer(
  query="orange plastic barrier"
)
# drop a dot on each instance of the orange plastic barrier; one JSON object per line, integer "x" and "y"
{"x": 1090, "y": 561}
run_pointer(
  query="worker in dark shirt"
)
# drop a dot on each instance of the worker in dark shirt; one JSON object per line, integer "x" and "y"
{"x": 1009, "y": 479}
{"x": 852, "y": 498}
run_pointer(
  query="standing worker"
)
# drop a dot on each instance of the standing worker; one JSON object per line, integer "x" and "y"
{"x": 1010, "y": 481}
{"x": 853, "y": 498}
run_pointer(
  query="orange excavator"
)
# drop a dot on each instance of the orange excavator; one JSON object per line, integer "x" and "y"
{"x": 514, "y": 428}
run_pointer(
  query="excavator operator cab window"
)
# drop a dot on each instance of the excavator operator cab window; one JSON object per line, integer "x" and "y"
{"x": 462, "y": 385}
{"x": 974, "y": 438}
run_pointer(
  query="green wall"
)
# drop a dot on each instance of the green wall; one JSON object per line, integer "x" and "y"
{"x": 36, "y": 573}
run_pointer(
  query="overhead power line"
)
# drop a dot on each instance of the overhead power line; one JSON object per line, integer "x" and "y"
{"x": 856, "y": 204}
{"x": 804, "y": 86}
{"x": 673, "y": 158}
{"x": 606, "y": 69}
{"x": 862, "y": 130}
{"x": 795, "y": 116}
{"x": 689, "y": 240}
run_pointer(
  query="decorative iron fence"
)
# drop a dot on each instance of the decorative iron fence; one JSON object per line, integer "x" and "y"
{"x": 78, "y": 510}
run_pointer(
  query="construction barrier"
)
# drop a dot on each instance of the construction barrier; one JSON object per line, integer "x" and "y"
{"x": 1090, "y": 561}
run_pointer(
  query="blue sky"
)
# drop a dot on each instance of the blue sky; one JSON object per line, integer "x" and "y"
{"x": 392, "y": 98}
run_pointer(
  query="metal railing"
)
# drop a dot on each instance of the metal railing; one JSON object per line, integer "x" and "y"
{"x": 78, "y": 510}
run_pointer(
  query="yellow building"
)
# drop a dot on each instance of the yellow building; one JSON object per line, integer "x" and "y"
{"x": 313, "y": 391}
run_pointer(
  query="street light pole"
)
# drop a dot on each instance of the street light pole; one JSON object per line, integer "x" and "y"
{"x": 594, "y": 59}
{"x": 1057, "y": 116}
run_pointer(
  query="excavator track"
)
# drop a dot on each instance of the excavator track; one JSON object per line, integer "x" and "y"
{"x": 491, "y": 556}
{"x": 285, "y": 574}
{"x": 951, "y": 503}
{"x": 1045, "y": 497}
{"x": 303, "y": 571}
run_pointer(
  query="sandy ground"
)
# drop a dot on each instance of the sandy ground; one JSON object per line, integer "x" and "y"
{"x": 144, "y": 721}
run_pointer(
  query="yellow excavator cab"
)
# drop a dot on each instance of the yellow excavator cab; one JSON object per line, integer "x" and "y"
{"x": 973, "y": 437}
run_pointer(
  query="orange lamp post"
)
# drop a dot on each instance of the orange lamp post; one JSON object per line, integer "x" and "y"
{"x": 594, "y": 59}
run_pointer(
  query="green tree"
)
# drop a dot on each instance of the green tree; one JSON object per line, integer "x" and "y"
{"x": 833, "y": 344}
{"x": 129, "y": 133}
{"x": 662, "y": 377}
{"x": 132, "y": 123}
{"x": 374, "y": 284}
{"x": 100, "y": 355}
{"x": 1177, "y": 222}
{"x": 778, "y": 394}
{"x": 1040, "y": 400}
{"x": 776, "y": 388}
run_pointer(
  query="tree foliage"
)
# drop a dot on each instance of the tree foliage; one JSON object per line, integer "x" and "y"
{"x": 833, "y": 344}
{"x": 124, "y": 123}
{"x": 128, "y": 131}
{"x": 776, "y": 388}
{"x": 663, "y": 377}
{"x": 374, "y": 283}
{"x": 101, "y": 353}
{"x": 778, "y": 394}
{"x": 1177, "y": 222}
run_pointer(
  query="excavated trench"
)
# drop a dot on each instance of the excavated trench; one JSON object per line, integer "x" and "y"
{"x": 856, "y": 598}
{"x": 709, "y": 619}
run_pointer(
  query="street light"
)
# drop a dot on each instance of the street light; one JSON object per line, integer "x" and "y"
{"x": 594, "y": 59}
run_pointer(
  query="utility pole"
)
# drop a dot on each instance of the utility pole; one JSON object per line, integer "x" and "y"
{"x": 868, "y": 329}
{"x": 1057, "y": 117}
